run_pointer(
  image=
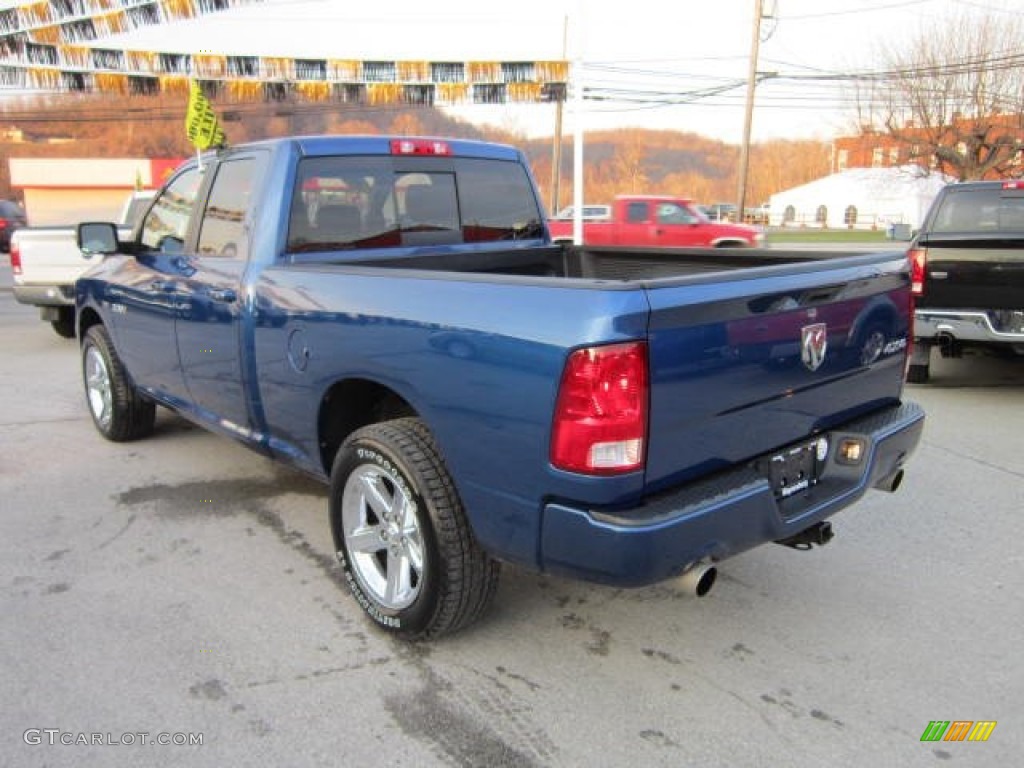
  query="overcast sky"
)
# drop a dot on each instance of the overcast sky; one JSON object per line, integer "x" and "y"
{"x": 698, "y": 53}
{"x": 637, "y": 53}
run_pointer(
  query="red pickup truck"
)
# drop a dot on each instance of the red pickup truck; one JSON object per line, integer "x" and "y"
{"x": 658, "y": 221}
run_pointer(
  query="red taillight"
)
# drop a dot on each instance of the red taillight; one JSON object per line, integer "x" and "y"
{"x": 600, "y": 425}
{"x": 1015, "y": 184}
{"x": 419, "y": 147}
{"x": 918, "y": 261}
{"x": 15, "y": 258}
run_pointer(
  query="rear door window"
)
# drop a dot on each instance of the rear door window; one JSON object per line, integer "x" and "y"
{"x": 222, "y": 231}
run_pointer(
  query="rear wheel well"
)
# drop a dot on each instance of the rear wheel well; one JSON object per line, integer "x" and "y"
{"x": 350, "y": 405}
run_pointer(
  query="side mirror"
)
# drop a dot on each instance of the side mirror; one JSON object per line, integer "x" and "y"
{"x": 97, "y": 237}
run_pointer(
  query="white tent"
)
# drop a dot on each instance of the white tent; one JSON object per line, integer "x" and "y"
{"x": 865, "y": 198}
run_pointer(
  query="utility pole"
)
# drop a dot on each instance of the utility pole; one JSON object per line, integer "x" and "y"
{"x": 755, "y": 44}
{"x": 556, "y": 150}
{"x": 578, "y": 128}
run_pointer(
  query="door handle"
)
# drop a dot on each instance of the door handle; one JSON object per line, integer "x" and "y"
{"x": 226, "y": 295}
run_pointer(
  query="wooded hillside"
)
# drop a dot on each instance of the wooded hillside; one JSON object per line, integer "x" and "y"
{"x": 617, "y": 162}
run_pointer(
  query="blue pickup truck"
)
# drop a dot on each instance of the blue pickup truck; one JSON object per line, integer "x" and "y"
{"x": 390, "y": 315}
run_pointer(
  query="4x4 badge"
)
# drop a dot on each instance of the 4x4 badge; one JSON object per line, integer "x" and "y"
{"x": 813, "y": 344}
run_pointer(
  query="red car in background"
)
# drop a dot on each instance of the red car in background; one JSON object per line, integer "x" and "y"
{"x": 658, "y": 221}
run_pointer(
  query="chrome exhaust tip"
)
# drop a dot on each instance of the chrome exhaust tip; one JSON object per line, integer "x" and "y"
{"x": 699, "y": 579}
{"x": 891, "y": 483}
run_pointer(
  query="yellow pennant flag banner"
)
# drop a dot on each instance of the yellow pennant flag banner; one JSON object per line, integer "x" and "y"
{"x": 201, "y": 123}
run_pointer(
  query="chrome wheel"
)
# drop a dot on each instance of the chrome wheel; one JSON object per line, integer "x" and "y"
{"x": 118, "y": 409}
{"x": 383, "y": 536}
{"x": 401, "y": 534}
{"x": 98, "y": 387}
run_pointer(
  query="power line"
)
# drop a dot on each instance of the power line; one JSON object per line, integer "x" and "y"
{"x": 987, "y": 8}
{"x": 858, "y": 11}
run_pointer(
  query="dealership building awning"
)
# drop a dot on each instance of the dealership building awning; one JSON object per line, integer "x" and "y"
{"x": 69, "y": 190}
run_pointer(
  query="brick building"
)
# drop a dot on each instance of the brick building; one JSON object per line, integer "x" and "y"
{"x": 876, "y": 149}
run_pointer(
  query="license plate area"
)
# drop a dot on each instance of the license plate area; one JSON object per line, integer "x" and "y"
{"x": 794, "y": 469}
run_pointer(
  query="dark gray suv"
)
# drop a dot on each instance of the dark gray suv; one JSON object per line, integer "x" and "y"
{"x": 11, "y": 218}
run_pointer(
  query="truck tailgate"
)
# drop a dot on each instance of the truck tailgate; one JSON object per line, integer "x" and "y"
{"x": 745, "y": 363}
{"x": 49, "y": 256}
{"x": 974, "y": 274}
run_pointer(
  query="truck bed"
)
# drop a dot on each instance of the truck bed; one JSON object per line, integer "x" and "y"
{"x": 726, "y": 328}
{"x": 604, "y": 264}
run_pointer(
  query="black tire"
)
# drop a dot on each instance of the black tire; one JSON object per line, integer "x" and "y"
{"x": 421, "y": 574}
{"x": 64, "y": 325}
{"x": 119, "y": 412}
{"x": 918, "y": 374}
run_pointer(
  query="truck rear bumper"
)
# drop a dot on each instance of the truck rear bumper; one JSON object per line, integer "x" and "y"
{"x": 721, "y": 516}
{"x": 45, "y": 295}
{"x": 969, "y": 326}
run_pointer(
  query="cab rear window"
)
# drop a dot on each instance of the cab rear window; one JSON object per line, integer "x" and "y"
{"x": 980, "y": 210}
{"x": 348, "y": 202}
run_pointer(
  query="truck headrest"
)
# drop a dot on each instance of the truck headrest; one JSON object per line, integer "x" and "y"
{"x": 425, "y": 205}
{"x": 338, "y": 223}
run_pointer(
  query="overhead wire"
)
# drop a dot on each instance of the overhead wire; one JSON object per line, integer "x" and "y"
{"x": 652, "y": 94}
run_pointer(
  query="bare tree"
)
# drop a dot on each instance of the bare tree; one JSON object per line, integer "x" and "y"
{"x": 627, "y": 164}
{"x": 952, "y": 98}
{"x": 779, "y": 164}
{"x": 406, "y": 123}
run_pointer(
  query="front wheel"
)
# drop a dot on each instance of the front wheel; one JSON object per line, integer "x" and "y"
{"x": 401, "y": 534}
{"x": 119, "y": 412}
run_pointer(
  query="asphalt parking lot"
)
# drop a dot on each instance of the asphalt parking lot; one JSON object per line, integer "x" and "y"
{"x": 182, "y": 587}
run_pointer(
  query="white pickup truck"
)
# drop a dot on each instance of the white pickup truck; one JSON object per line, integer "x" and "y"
{"x": 46, "y": 262}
